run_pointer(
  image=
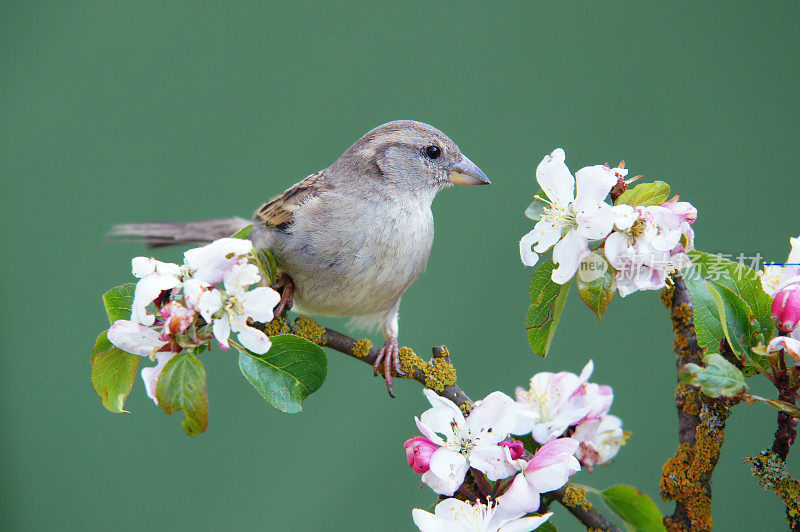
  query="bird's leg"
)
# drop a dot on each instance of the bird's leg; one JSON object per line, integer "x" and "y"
{"x": 389, "y": 354}
{"x": 285, "y": 286}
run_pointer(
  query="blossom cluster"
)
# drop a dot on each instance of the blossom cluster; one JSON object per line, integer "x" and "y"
{"x": 565, "y": 414}
{"x": 782, "y": 283}
{"x": 206, "y": 298}
{"x": 641, "y": 243}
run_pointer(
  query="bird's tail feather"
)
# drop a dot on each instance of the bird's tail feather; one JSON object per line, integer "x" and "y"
{"x": 160, "y": 234}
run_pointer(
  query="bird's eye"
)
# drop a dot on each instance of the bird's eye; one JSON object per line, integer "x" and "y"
{"x": 433, "y": 151}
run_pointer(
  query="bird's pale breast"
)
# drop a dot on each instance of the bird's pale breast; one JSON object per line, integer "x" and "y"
{"x": 354, "y": 257}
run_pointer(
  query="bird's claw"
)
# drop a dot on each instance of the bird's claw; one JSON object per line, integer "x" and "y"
{"x": 285, "y": 286}
{"x": 389, "y": 357}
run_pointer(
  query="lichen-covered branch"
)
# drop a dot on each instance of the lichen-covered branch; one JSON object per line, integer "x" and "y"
{"x": 686, "y": 476}
{"x": 439, "y": 375}
{"x": 771, "y": 474}
{"x": 574, "y": 500}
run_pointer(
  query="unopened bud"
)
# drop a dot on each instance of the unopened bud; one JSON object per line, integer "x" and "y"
{"x": 419, "y": 451}
{"x": 786, "y": 309}
{"x": 514, "y": 447}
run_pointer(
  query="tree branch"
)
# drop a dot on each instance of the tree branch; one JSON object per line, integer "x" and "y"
{"x": 686, "y": 477}
{"x": 439, "y": 375}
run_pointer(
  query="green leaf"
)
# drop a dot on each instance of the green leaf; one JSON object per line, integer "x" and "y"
{"x": 243, "y": 233}
{"x": 182, "y": 386}
{"x": 645, "y": 194}
{"x": 113, "y": 373}
{"x": 735, "y": 315}
{"x": 634, "y": 507}
{"x": 547, "y": 303}
{"x": 547, "y": 526}
{"x": 268, "y": 265}
{"x": 707, "y": 325}
{"x": 290, "y": 371}
{"x": 596, "y": 283}
{"x": 742, "y": 280}
{"x": 118, "y": 302}
{"x": 782, "y": 406}
{"x": 719, "y": 378}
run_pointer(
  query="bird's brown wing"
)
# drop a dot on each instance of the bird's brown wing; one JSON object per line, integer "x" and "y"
{"x": 278, "y": 213}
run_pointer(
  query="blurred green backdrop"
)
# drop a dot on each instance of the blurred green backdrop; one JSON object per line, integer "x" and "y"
{"x": 136, "y": 111}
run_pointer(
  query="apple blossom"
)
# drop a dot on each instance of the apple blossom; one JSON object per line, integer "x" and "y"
{"x": 786, "y": 308}
{"x": 570, "y": 220}
{"x": 551, "y": 405}
{"x": 467, "y": 442}
{"x": 229, "y": 311}
{"x": 645, "y": 238}
{"x": 548, "y": 470}
{"x": 453, "y": 515}
{"x": 135, "y": 338}
{"x": 600, "y": 440}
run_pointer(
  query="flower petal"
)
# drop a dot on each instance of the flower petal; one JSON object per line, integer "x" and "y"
{"x": 147, "y": 290}
{"x": 210, "y": 263}
{"x": 259, "y": 303}
{"x": 555, "y": 178}
{"x": 447, "y": 471}
{"x": 254, "y": 340}
{"x": 493, "y": 460}
{"x": 222, "y": 331}
{"x": 135, "y": 338}
{"x": 427, "y": 522}
{"x": 493, "y": 418}
{"x": 526, "y": 524}
{"x": 526, "y": 253}
{"x": 520, "y": 498}
{"x": 567, "y": 254}
{"x": 594, "y": 184}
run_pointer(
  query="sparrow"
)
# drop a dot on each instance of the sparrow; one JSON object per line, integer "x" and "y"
{"x": 349, "y": 240}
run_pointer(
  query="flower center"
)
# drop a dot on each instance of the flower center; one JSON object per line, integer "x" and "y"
{"x": 475, "y": 517}
{"x": 462, "y": 443}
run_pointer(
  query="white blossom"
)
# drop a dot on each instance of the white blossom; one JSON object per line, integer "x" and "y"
{"x": 467, "y": 442}
{"x": 600, "y": 440}
{"x": 570, "y": 220}
{"x": 453, "y": 515}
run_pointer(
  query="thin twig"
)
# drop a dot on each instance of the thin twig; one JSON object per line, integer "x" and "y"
{"x": 435, "y": 375}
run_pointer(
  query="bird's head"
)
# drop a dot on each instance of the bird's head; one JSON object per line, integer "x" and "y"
{"x": 405, "y": 155}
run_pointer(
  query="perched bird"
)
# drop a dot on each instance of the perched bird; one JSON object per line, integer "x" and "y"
{"x": 350, "y": 239}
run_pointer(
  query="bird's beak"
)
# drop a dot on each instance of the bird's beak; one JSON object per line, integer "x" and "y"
{"x": 465, "y": 172}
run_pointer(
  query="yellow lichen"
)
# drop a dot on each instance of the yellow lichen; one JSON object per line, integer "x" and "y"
{"x": 276, "y": 326}
{"x": 409, "y": 361}
{"x": 685, "y": 476}
{"x": 771, "y": 473}
{"x": 309, "y": 329}
{"x": 440, "y": 374}
{"x": 576, "y": 498}
{"x": 361, "y": 348}
{"x": 666, "y": 295}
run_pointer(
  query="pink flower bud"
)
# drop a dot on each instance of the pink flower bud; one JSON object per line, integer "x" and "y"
{"x": 419, "y": 451}
{"x": 177, "y": 317}
{"x": 514, "y": 447}
{"x": 786, "y": 309}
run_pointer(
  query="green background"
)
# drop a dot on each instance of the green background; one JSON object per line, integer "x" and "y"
{"x": 136, "y": 111}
